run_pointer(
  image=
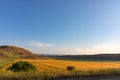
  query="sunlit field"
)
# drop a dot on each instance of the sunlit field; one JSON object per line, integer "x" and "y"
{"x": 43, "y": 65}
{"x": 79, "y": 65}
{"x": 57, "y": 68}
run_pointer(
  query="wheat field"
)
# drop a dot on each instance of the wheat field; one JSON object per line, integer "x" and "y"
{"x": 42, "y": 65}
{"x": 57, "y": 68}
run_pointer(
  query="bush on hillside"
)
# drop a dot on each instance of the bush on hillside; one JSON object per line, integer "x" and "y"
{"x": 22, "y": 66}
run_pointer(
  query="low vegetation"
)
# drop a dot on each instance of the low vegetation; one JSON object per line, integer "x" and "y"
{"x": 70, "y": 68}
{"x": 54, "y": 69}
{"x": 22, "y": 66}
{"x": 57, "y": 75}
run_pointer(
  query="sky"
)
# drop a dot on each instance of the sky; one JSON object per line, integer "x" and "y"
{"x": 74, "y": 27}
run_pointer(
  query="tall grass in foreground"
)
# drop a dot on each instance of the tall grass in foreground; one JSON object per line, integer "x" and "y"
{"x": 54, "y": 75}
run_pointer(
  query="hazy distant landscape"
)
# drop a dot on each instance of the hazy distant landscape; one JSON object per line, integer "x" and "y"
{"x": 95, "y": 57}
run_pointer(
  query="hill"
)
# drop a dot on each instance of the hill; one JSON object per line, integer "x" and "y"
{"x": 16, "y": 52}
{"x": 97, "y": 57}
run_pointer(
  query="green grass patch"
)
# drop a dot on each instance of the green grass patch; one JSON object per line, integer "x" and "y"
{"x": 5, "y": 61}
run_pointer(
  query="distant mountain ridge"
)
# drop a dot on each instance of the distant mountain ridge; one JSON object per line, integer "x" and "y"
{"x": 7, "y": 51}
{"x": 97, "y": 57}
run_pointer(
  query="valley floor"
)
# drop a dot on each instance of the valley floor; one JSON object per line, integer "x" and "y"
{"x": 56, "y": 69}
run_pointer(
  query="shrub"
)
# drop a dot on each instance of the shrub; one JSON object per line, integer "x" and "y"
{"x": 22, "y": 66}
{"x": 70, "y": 68}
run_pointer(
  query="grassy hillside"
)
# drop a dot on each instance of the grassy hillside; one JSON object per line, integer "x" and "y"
{"x": 10, "y": 53}
{"x": 5, "y": 61}
{"x": 16, "y": 52}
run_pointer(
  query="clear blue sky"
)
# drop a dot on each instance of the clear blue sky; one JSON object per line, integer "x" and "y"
{"x": 64, "y": 23}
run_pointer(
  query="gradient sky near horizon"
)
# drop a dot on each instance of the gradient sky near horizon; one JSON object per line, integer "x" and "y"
{"x": 61, "y": 26}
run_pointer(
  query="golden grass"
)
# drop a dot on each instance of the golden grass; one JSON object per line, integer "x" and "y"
{"x": 48, "y": 69}
{"x": 60, "y": 65}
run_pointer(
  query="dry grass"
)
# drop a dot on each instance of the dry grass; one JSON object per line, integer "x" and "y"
{"x": 61, "y": 65}
{"x": 57, "y": 68}
{"x": 79, "y": 65}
